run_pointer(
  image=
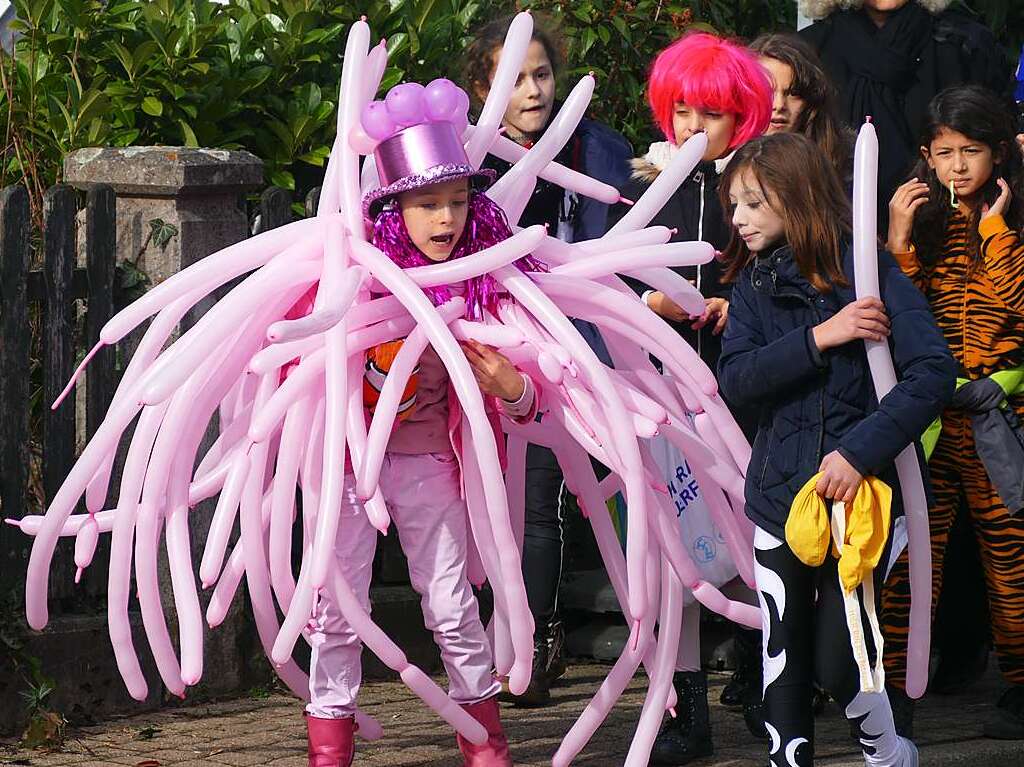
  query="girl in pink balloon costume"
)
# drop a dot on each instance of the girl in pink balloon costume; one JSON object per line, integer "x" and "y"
{"x": 429, "y": 208}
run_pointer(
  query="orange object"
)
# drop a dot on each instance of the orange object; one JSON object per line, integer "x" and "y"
{"x": 378, "y": 362}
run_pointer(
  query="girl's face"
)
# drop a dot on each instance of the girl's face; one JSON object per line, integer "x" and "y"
{"x": 529, "y": 108}
{"x": 755, "y": 221}
{"x": 719, "y": 127}
{"x": 435, "y": 216}
{"x": 786, "y": 107}
{"x": 966, "y": 163}
{"x": 878, "y": 10}
{"x": 885, "y": 6}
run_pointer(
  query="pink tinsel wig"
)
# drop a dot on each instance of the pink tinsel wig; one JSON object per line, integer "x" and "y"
{"x": 486, "y": 225}
{"x": 706, "y": 72}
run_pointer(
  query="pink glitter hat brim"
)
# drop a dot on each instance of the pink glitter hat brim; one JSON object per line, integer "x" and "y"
{"x": 373, "y": 200}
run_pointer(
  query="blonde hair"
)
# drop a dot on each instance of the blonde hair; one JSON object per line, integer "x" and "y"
{"x": 819, "y": 9}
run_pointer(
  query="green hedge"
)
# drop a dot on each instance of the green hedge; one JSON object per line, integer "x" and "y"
{"x": 263, "y": 74}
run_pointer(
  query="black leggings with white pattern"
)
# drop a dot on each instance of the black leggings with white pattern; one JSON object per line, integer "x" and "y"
{"x": 806, "y": 639}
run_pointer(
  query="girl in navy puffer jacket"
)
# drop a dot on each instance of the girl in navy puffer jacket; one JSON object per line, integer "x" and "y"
{"x": 793, "y": 348}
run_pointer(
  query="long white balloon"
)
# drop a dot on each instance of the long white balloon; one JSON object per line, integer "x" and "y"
{"x": 883, "y": 375}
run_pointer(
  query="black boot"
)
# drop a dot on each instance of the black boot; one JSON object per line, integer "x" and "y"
{"x": 548, "y": 665}
{"x": 902, "y": 706}
{"x": 747, "y": 649}
{"x": 687, "y": 736}
{"x": 1007, "y": 723}
{"x": 556, "y": 652}
{"x": 959, "y": 670}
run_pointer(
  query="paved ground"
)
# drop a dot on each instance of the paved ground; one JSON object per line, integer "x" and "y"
{"x": 270, "y": 732}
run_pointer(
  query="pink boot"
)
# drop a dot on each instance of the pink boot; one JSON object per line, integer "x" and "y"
{"x": 330, "y": 741}
{"x": 493, "y": 753}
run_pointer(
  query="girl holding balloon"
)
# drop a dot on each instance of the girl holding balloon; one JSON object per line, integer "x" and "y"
{"x": 701, "y": 84}
{"x": 430, "y": 207}
{"x": 794, "y": 349}
{"x": 954, "y": 228}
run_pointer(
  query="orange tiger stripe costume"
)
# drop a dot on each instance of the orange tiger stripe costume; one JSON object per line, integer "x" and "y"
{"x": 980, "y": 308}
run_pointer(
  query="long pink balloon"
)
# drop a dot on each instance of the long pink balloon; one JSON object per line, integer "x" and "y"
{"x": 883, "y": 375}
{"x": 513, "y": 53}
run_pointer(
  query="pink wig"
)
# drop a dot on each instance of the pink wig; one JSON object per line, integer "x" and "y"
{"x": 706, "y": 72}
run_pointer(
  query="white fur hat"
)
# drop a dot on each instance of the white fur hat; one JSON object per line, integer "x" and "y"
{"x": 819, "y": 9}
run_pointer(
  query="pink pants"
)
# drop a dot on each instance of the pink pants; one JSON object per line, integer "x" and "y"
{"x": 422, "y": 493}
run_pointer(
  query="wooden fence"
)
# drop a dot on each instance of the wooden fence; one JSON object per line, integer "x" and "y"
{"x": 53, "y": 289}
{"x": 50, "y": 293}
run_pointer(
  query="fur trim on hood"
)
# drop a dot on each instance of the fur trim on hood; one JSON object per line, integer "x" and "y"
{"x": 660, "y": 154}
{"x": 819, "y": 9}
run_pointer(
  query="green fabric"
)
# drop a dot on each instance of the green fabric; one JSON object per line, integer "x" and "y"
{"x": 1010, "y": 381}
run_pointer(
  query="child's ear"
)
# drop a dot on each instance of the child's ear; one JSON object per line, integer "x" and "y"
{"x": 999, "y": 155}
{"x": 927, "y": 155}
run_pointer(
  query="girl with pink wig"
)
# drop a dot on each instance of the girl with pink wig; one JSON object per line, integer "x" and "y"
{"x": 701, "y": 84}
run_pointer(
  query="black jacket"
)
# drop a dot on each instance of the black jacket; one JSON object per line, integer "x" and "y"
{"x": 694, "y": 210}
{"x": 891, "y": 74}
{"x": 812, "y": 403}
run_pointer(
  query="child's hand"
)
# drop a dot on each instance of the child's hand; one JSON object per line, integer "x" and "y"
{"x": 665, "y": 307}
{"x": 839, "y": 480}
{"x": 494, "y": 373}
{"x": 998, "y": 208}
{"x": 902, "y": 208}
{"x": 865, "y": 318}
{"x": 716, "y": 311}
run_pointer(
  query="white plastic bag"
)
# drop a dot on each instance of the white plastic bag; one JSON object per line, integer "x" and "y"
{"x": 698, "y": 531}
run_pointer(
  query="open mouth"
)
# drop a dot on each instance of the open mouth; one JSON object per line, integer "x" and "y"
{"x": 442, "y": 239}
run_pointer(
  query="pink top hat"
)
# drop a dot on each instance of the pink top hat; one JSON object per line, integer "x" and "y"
{"x": 414, "y": 135}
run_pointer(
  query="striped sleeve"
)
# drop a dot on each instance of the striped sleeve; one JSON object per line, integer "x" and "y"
{"x": 910, "y": 265}
{"x": 1003, "y": 251}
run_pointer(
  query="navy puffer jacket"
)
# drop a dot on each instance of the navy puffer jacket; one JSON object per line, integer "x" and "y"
{"x": 811, "y": 403}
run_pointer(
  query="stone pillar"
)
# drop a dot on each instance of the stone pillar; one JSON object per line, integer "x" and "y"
{"x": 175, "y": 206}
{"x": 199, "y": 192}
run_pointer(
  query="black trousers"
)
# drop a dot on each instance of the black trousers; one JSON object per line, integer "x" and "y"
{"x": 542, "y": 537}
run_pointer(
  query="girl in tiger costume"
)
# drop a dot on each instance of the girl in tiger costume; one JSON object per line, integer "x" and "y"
{"x": 954, "y": 229}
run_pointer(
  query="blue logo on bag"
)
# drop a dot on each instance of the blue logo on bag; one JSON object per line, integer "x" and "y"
{"x": 705, "y": 548}
{"x": 683, "y": 489}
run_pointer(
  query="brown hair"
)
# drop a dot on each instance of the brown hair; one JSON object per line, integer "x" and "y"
{"x": 819, "y": 118}
{"x": 489, "y": 38}
{"x": 811, "y": 203}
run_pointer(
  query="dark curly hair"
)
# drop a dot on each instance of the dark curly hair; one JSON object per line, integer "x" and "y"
{"x": 980, "y": 115}
{"x": 819, "y": 118}
{"x": 479, "y": 56}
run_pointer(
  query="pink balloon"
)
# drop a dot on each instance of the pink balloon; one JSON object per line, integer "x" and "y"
{"x": 377, "y": 122}
{"x": 513, "y": 190}
{"x": 664, "y": 661}
{"x": 508, "y": 150}
{"x": 289, "y": 244}
{"x": 883, "y": 375}
{"x": 664, "y": 186}
{"x": 513, "y": 53}
{"x": 540, "y": 305}
{"x": 405, "y": 104}
{"x": 441, "y": 100}
{"x": 361, "y": 141}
